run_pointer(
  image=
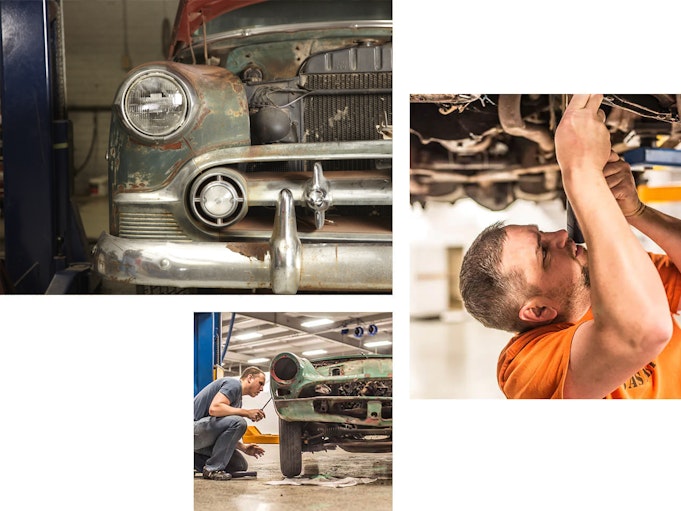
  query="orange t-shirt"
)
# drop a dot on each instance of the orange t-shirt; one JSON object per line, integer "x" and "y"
{"x": 534, "y": 364}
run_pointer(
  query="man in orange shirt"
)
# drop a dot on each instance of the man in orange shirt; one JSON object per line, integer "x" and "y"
{"x": 589, "y": 324}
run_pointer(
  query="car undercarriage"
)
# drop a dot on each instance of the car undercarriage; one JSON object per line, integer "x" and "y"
{"x": 496, "y": 149}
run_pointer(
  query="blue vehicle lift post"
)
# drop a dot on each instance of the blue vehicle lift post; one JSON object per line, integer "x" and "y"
{"x": 207, "y": 331}
{"x": 45, "y": 244}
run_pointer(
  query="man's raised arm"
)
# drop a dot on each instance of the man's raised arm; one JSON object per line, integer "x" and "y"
{"x": 631, "y": 319}
{"x": 663, "y": 229}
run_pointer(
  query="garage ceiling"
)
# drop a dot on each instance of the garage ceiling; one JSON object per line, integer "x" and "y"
{"x": 255, "y": 338}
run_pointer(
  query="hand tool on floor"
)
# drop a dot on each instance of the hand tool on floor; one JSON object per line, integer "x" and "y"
{"x": 243, "y": 473}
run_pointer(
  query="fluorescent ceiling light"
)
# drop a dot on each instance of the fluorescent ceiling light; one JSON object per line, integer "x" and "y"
{"x": 376, "y": 344}
{"x": 317, "y": 322}
{"x": 247, "y": 336}
{"x": 257, "y": 360}
{"x": 314, "y": 352}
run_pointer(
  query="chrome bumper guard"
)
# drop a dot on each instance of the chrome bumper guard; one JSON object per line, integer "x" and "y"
{"x": 283, "y": 264}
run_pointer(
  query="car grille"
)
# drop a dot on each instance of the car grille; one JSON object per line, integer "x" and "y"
{"x": 152, "y": 224}
{"x": 349, "y": 107}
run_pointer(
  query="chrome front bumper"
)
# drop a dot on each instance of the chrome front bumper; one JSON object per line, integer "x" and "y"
{"x": 283, "y": 264}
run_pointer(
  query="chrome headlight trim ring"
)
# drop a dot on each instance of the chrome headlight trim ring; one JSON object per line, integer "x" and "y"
{"x": 218, "y": 198}
{"x": 156, "y": 101}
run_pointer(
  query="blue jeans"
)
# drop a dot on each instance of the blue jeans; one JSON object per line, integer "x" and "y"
{"x": 216, "y": 439}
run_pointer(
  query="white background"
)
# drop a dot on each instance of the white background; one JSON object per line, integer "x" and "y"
{"x": 97, "y": 391}
{"x": 495, "y": 454}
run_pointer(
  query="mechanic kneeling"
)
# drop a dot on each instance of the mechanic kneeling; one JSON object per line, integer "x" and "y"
{"x": 220, "y": 423}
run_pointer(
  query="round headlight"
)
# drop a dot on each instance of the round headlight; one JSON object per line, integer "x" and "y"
{"x": 156, "y": 105}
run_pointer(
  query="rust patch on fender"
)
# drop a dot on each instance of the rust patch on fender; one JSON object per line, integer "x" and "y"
{"x": 251, "y": 250}
{"x": 175, "y": 145}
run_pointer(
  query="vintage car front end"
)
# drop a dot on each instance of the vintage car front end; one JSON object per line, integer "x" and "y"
{"x": 257, "y": 158}
{"x": 321, "y": 404}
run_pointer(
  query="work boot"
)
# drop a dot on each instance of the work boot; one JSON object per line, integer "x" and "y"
{"x": 216, "y": 475}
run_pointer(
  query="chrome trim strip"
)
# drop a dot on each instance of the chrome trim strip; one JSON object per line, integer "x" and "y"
{"x": 241, "y": 33}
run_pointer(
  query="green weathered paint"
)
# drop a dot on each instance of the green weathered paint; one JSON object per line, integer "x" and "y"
{"x": 332, "y": 371}
{"x": 136, "y": 165}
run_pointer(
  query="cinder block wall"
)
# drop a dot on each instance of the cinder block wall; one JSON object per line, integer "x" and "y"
{"x": 95, "y": 41}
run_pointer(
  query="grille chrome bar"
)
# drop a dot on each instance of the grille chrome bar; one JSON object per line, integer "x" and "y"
{"x": 153, "y": 224}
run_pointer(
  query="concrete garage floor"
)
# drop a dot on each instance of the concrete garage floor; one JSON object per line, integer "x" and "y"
{"x": 454, "y": 359}
{"x": 252, "y": 494}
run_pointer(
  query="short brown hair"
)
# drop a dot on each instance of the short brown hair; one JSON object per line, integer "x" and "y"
{"x": 251, "y": 370}
{"x": 492, "y": 297}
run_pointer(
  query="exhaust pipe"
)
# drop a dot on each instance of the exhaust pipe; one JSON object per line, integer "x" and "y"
{"x": 512, "y": 122}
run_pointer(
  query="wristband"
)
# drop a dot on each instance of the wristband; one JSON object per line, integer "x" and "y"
{"x": 637, "y": 212}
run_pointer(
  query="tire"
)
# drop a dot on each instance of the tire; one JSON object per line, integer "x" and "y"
{"x": 290, "y": 448}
